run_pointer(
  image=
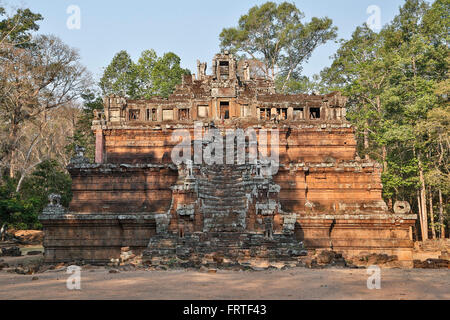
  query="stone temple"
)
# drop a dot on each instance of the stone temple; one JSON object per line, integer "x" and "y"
{"x": 321, "y": 195}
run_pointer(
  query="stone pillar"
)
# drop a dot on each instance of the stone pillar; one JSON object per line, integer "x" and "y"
{"x": 273, "y": 112}
{"x": 99, "y": 146}
{"x": 246, "y": 71}
{"x": 159, "y": 115}
{"x": 290, "y": 113}
{"x": 216, "y": 110}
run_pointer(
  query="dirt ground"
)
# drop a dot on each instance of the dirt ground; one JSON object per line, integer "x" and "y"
{"x": 298, "y": 283}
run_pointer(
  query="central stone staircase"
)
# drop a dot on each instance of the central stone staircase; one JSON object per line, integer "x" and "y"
{"x": 222, "y": 192}
{"x": 226, "y": 195}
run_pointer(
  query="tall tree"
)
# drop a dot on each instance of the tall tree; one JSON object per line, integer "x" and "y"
{"x": 32, "y": 82}
{"x": 360, "y": 70}
{"x": 150, "y": 76}
{"x": 120, "y": 76}
{"x": 166, "y": 74}
{"x": 391, "y": 79}
{"x": 298, "y": 84}
{"x": 276, "y": 35}
{"x": 17, "y": 29}
{"x": 82, "y": 135}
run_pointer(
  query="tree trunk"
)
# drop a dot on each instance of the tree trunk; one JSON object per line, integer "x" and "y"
{"x": 11, "y": 146}
{"x": 286, "y": 80}
{"x": 419, "y": 206}
{"x": 366, "y": 140}
{"x": 441, "y": 215}
{"x": 384, "y": 155}
{"x": 433, "y": 230}
{"x": 423, "y": 200}
{"x": 11, "y": 164}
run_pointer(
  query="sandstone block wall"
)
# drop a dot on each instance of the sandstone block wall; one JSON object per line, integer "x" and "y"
{"x": 323, "y": 196}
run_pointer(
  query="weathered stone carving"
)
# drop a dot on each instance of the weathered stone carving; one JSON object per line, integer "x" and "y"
{"x": 79, "y": 157}
{"x": 54, "y": 206}
{"x": 402, "y": 207}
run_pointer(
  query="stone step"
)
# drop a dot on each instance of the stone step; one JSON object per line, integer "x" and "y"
{"x": 224, "y": 185}
{"x": 223, "y": 190}
{"x": 215, "y": 209}
{"x": 219, "y": 197}
{"x": 210, "y": 206}
{"x": 216, "y": 181}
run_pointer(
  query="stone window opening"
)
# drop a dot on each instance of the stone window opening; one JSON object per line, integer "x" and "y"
{"x": 151, "y": 115}
{"x": 184, "y": 114}
{"x": 314, "y": 113}
{"x": 133, "y": 115}
{"x": 265, "y": 113}
{"x": 224, "y": 70}
{"x": 337, "y": 113}
{"x": 299, "y": 113}
{"x": 258, "y": 170}
{"x": 282, "y": 113}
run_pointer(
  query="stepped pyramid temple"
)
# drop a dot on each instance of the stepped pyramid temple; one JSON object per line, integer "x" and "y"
{"x": 224, "y": 166}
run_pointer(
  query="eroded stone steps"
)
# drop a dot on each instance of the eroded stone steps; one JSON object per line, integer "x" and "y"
{"x": 230, "y": 244}
{"x": 223, "y": 190}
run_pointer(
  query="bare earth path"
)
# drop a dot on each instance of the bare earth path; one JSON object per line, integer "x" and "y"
{"x": 296, "y": 283}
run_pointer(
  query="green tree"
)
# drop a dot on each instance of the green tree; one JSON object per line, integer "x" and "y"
{"x": 298, "y": 84}
{"x": 166, "y": 74}
{"x": 83, "y": 135}
{"x": 360, "y": 70}
{"x": 276, "y": 35}
{"x": 436, "y": 23}
{"x": 120, "y": 76}
{"x": 21, "y": 210}
{"x": 145, "y": 67}
{"x": 411, "y": 95}
{"x": 18, "y": 28}
{"x": 396, "y": 83}
{"x": 150, "y": 76}
{"x": 33, "y": 81}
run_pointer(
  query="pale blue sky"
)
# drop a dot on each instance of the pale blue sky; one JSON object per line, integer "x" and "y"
{"x": 189, "y": 28}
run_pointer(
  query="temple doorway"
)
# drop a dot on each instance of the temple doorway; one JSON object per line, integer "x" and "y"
{"x": 224, "y": 110}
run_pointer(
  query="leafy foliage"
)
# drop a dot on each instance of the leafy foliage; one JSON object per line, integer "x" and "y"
{"x": 21, "y": 210}
{"x": 83, "y": 135}
{"x": 397, "y": 84}
{"x": 276, "y": 35}
{"x": 150, "y": 76}
{"x": 18, "y": 28}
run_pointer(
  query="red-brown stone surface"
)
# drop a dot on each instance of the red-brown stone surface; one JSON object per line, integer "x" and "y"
{"x": 322, "y": 194}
